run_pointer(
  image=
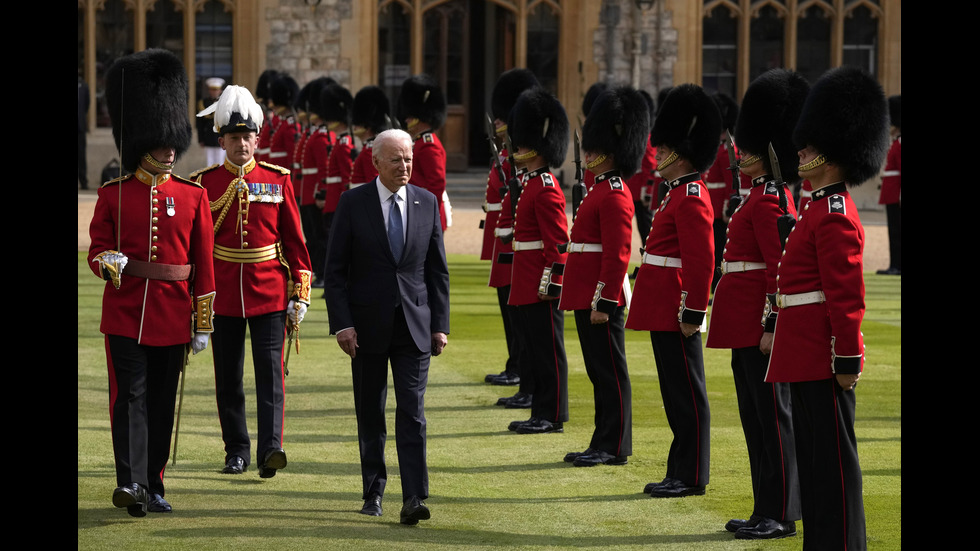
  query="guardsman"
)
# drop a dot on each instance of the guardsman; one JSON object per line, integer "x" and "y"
{"x": 336, "y": 101}
{"x": 538, "y": 129}
{"x": 595, "y": 285}
{"x": 743, "y": 313}
{"x": 817, "y": 346}
{"x": 263, "y": 97}
{"x": 891, "y": 189}
{"x": 642, "y": 185}
{"x": 370, "y": 114}
{"x": 313, "y": 170}
{"x": 283, "y": 92}
{"x": 671, "y": 295}
{"x": 152, "y": 242}
{"x": 262, "y": 262}
{"x": 509, "y": 86}
{"x": 422, "y": 110}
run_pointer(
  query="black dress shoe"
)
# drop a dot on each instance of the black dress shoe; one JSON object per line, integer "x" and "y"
{"x": 572, "y": 456}
{"x": 767, "y": 529}
{"x": 521, "y": 400}
{"x": 650, "y": 486}
{"x": 274, "y": 460}
{"x": 131, "y": 496}
{"x": 491, "y": 376}
{"x": 234, "y": 465}
{"x": 514, "y": 424}
{"x": 372, "y": 506}
{"x": 413, "y": 511}
{"x": 158, "y": 505}
{"x": 539, "y": 426}
{"x": 736, "y": 523}
{"x": 506, "y": 379}
{"x": 676, "y": 489}
{"x": 890, "y": 271}
{"x": 599, "y": 457}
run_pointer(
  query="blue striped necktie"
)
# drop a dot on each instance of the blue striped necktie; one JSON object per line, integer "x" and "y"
{"x": 395, "y": 238}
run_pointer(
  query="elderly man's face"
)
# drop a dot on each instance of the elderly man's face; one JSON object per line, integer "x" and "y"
{"x": 394, "y": 163}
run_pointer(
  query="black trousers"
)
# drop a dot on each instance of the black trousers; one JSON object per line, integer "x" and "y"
{"x": 680, "y": 367}
{"x": 410, "y": 374}
{"x": 767, "y": 422}
{"x": 543, "y": 326}
{"x": 142, "y": 394}
{"x": 830, "y": 474}
{"x": 515, "y": 340}
{"x": 644, "y": 219}
{"x": 893, "y": 214}
{"x": 268, "y": 335}
{"x": 720, "y": 229}
{"x": 604, "y": 351}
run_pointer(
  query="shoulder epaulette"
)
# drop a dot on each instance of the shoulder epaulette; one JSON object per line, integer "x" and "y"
{"x": 693, "y": 190}
{"x": 116, "y": 180}
{"x": 183, "y": 180}
{"x": 771, "y": 189}
{"x": 281, "y": 169}
{"x": 836, "y": 204}
{"x": 200, "y": 171}
{"x": 547, "y": 180}
{"x": 427, "y": 137}
{"x": 616, "y": 183}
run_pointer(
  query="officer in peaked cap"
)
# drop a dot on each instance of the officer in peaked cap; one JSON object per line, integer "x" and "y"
{"x": 206, "y": 136}
{"x": 746, "y": 294}
{"x": 671, "y": 294}
{"x": 842, "y": 136}
{"x": 260, "y": 256}
{"x": 152, "y": 240}
{"x": 538, "y": 129}
{"x": 422, "y": 110}
{"x": 595, "y": 285}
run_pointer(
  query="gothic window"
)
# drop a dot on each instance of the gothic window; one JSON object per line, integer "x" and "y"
{"x": 719, "y": 50}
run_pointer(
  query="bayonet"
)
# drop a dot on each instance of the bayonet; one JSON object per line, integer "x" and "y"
{"x": 735, "y": 199}
{"x": 786, "y": 221}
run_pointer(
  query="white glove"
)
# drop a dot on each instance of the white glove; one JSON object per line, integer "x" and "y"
{"x": 295, "y": 311}
{"x": 200, "y": 342}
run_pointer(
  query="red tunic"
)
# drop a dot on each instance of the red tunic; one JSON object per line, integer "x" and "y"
{"x": 891, "y": 180}
{"x": 492, "y": 205}
{"x": 154, "y": 312}
{"x": 718, "y": 179}
{"x": 681, "y": 228}
{"x": 315, "y": 157}
{"x": 338, "y": 171}
{"x": 824, "y": 252}
{"x": 284, "y": 141}
{"x": 263, "y": 148}
{"x": 271, "y": 218}
{"x": 740, "y": 298}
{"x": 805, "y": 193}
{"x": 639, "y": 183}
{"x": 501, "y": 272}
{"x": 363, "y": 170}
{"x": 540, "y": 217}
{"x": 604, "y": 218}
{"x": 429, "y": 168}
{"x": 298, "y": 157}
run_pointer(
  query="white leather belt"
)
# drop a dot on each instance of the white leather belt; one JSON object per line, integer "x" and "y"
{"x": 715, "y": 185}
{"x": 353, "y": 185}
{"x": 333, "y": 180}
{"x": 799, "y": 299}
{"x": 309, "y": 170}
{"x": 501, "y": 232}
{"x": 585, "y": 247}
{"x": 528, "y": 245}
{"x": 277, "y": 154}
{"x": 741, "y": 266}
{"x": 665, "y": 261}
{"x": 492, "y": 207}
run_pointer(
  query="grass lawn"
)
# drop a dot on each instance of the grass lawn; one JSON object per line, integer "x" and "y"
{"x": 490, "y": 488}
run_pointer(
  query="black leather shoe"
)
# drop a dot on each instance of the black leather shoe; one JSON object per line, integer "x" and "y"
{"x": 767, "y": 529}
{"x": 649, "y": 487}
{"x": 514, "y": 424}
{"x": 506, "y": 379}
{"x": 413, "y": 511}
{"x": 890, "y": 271}
{"x": 572, "y": 456}
{"x": 131, "y": 496}
{"x": 372, "y": 506}
{"x": 539, "y": 426}
{"x": 234, "y": 465}
{"x": 158, "y": 505}
{"x": 599, "y": 457}
{"x": 521, "y": 400}
{"x": 736, "y": 523}
{"x": 676, "y": 488}
{"x": 491, "y": 376}
{"x": 274, "y": 460}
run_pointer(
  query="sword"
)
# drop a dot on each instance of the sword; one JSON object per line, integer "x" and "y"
{"x": 180, "y": 400}
{"x": 293, "y": 334}
{"x": 786, "y": 221}
{"x": 736, "y": 199}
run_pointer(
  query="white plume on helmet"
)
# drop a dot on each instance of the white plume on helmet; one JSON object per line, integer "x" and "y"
{"x": 234, "y": 99}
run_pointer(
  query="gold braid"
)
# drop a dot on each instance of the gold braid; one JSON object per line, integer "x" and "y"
{"x": 224, "y": 202}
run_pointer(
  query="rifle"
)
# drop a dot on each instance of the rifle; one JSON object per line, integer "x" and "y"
{"x": 495, "y": 156}
{"x": 578, "y": 188}
{"x": 736, "y": 199}
{"x": 513, "y": 184}
{"x": 786, "y": 221}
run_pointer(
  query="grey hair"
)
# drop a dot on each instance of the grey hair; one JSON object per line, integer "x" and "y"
{"x": 390, "y": 135}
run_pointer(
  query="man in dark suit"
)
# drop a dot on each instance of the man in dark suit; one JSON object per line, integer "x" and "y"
{"x": 387, "y": 291}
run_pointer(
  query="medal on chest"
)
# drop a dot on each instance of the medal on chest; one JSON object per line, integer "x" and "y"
{"x": 170, "y": 207}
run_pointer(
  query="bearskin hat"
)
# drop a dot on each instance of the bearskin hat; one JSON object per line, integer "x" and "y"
{"x": 308, "y": 99}
{"x": 590, "y": 96}
{"x": 728, "y": 109}
{"x": 845, "y": 117}
{"x": 618, "y": 124}
{"x": 509, "y": 86}
{"x": 283, "y": 91}
{"x": 146, "y": 93}
{"x": 661, "y": 96}
{"x": 538, "y": 121}
{"x": 371, "y": 109}
{"x": 895, "y": 110}
{"x": 770, "y": 109}
{"x": 262, "y": 88}
{"x": 422, "y": 98}
{"x": 689, "y": 123}
{"x": 235, "y": 111}
{"x": 651, "y": 109}
{"x": 335, "y": 103}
